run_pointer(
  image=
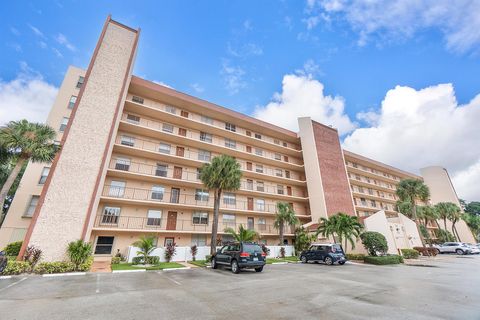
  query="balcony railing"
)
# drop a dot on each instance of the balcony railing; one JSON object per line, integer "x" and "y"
{"x": 166, "y": 224}
{"x": 176, "y": 197}
{"x": 192, "y": 176}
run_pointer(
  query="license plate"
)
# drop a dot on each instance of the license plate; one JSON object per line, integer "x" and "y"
{"x": 255, "y": 259}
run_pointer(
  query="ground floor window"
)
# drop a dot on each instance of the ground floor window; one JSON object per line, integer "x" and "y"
{"x": 104, "y": 245}
{"x": 169, "y": 241}
{"x": 199, "y": 239}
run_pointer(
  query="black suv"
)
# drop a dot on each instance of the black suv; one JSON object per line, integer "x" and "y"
{"x": 328, "y": 253}
{"x": 240, "y": 255}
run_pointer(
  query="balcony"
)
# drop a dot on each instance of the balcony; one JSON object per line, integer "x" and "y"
{"x": 176, "y": 225}
{"x": 175, "y": 199}
{"x": 374, "y": 175}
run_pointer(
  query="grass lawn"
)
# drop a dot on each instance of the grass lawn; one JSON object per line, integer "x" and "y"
{"x": 199, "y": 263}
{"x": 160, "y": 266}
{"x": 286, "y": 259}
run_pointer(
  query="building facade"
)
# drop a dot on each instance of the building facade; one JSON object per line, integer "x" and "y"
{"x": 131, "y": 151}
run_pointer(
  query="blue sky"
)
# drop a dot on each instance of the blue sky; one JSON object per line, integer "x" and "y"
{"x": 344, "y": 58}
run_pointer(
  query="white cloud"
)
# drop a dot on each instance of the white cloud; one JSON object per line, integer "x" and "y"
{"x": 418, "y": 128}
{"x": 28, "y": 96}
{"x": 458, "y": 21}
{"x": 198, "y": 88}
{"x": 14, "y": 31}
{"x": 15, "y": 46}
{"x": 42, "y": 44}
{"x": 61, "y": 39}
{"x": 57, "y": 53}
{"x": 233, "y": 77}
{"x": 37, "y": 31}
{"x": 247, "y": 25}
{"x": 310, "y": 69}
{"x": 246, "y": 50}
{"x": 162, "y": 84}
{"x": 303, "y": 96}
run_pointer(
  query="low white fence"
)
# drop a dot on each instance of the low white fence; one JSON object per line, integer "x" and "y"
{"x": 184, "y": 253}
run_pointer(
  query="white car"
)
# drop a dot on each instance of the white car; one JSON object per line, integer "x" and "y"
{"x": 454, "y": 247}
{"x": 475, "y": 248}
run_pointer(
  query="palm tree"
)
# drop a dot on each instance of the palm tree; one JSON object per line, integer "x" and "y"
{"x": 285, "y": 215}
{"x": 443, "y": 210}
{"x": 409, "y": 190}
{"x": 346, "y": 227}
{"x": 25, "y": 141}
{"x": 243, "y": 234}
{"x": 146, "y": 246}
{"x": 222, "y": 174}
{"x": 427, "y": 213}
{"x": 455, "y": 215}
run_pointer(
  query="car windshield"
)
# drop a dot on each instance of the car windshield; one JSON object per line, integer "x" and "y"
{"x": 337, "y": 248}
{"x": 252, "y": 248}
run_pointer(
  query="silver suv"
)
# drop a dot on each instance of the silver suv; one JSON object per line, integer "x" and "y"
{"x": 453, "y": 247}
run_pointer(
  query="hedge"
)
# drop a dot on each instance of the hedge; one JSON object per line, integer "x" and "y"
{"x": 16, "y": 267}
{"x": 383, "y": 260}
{"x": 355, "y": 256}
{"x": 150, "y": 260}
{"x": 54, "y": 267}
{"x": 410, "y": 253}
{"x": 116, "y": 260}
{"x": 13, "y": 248}
{"x": 426, "y": 251}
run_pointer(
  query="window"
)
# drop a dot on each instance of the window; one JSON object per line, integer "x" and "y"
{"x": 167, "y": 128}
{"x": 229, "y": 198}
{"x": 169, "y": 241}
{"x": 357, "y": 177}
{"x": 161, "y": 170}
{"x": 360, "y": 189}
{"x": 137, "y": 99}
{"x": 200, "y": 218}
{"x": 122, "y": 164}
{"x": 260, "y": 204}
{"x": 205, "y": 137}
{"x": 157, "y": 192}
{"x": 230, "y": 127}
{"x": 71, "y": 102}
{"x": 44, "y": 175}
{"x": 279, "y": 189}
{"x": 201, "y": 195}
{"x": 204, "y": 155}
{"x": 355, "y": 165}
{"x": 373, "y": 203}
{"x": 363, "y": 201}
{"x": 104, "y": 245}
{"x": 199, "y": 172}
{"x": 206, "y": 119}
{"x": 171, "y": 109}
{"x": 259, "y": 168}
{"x": 278, "y": 156}
{"x": 110, "y": 215}
{"x": 228, "y": 219}
{"x": 262, "y": 224}
{"x": 258, "y": 152}
{"x": 127, "y": 141}
{"x": 287, "y": 174}
{"x": 258, "y": 136}
{"x": 229, "y": 143}
{"x": 133, "y": 119}
{"x": 80, "y": 82}
{"x": 285, "y": 144}
{"x": 117, "y": 189}
{"x": 370, "y": 191}
{"x": 31, "y": 206}
{"x": 184, "y": 114}
{"x": 63, "y": 124}
{"x": 276, "y": 141}
{"x": 154, "y": 217}
{"x": 279, "y": 172}
{"x": 164, "y": 148}
{"x": 200, "y": 240}
{"x": 249, "y": 184}
{"x": 260, "y": 186}
{"x": 248, "y": 133}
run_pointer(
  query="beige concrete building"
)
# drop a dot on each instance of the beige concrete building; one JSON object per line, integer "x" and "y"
{"x": 130, "y": 159}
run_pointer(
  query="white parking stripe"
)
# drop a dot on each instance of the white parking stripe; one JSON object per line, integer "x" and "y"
{"x": 172, "y": 280}
{"x": 12, "y": 284}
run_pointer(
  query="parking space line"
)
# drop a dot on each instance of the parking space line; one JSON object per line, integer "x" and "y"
{"x": 172, "y": 280}
{"x": 98, "y": 284}
{"x": 12, "y": 284}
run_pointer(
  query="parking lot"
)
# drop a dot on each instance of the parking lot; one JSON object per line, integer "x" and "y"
{"x": 447, "y": 289}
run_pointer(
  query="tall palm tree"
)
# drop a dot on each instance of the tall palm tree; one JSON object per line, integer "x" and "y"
{"x": 409, "y": 190}
{"x": 443, "y": 210}
{"x": 146, "y": 246}
{"x": 285, "y": 215}
{"x": 346, "y": 227}
{"x": 455, "y": 215}
{"x": 427, "y": 213}
{"x": 222, "y": 174}
{"x": 243, "y": 234}
{"x": 25, "y": 141}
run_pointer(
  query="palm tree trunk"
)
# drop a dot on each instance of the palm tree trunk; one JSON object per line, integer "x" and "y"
{"x": 281, "y": 233}
{"x": 346, "y": 242}
{"x": 10, "y": 180}
{"x": 455, "y": 232}
{"x": 216, "y": 207}
{"x": 445, "y": 223}
{"x": 414, "y": 213}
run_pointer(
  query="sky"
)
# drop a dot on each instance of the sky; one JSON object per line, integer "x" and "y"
{"x": 398, "y": 79}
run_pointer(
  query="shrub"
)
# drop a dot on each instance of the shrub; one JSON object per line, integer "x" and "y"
{"x": 355, "y": 256}
{"x": 78, "y": 252}
{"x": 410, "y": 253}
{"x": 170, "y": 251}
{"x": 426, "y": 251}
{"x": 86, "y": 265}
{"x": 208, "y": 258}
{"x": 194, "y": 250}
{"x": 374, "y": 242}
{"x": 282, "y": 252}
{"x": 16, "y": 267}
{"x": 150, "y": 260}
{"x": 54, "y": 267}
{"x": 116, "y": 260}
{"x": 13, "y": 249}
{"x": 383, "y": 260}
{"x": 32, "y": 256}
{"x": 444, "y": 236}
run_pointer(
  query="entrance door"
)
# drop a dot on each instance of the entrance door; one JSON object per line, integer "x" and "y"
{"x": 250, "y": 223}
{"x": 249, "y": 203}
{"x": 180, "y": 151}
{"x": 249, "y": 166}
{"x": 289, "y": 190}
{"x": 172, "y": 220}
{"x": 182, "y": 132}
{"x": 177, "y": 172}
{"x": 174, "y": 195}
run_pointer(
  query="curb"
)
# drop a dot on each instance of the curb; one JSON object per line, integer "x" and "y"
{"x": 64, "y": 274}
{"x": 172, "y": 269}
{"x": 127, "y": 271}
{"x": 279, "y": 263}
{"x": 5, "y": 277}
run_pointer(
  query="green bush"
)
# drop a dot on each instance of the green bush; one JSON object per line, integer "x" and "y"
{"x": 13, "y": 249}
{"x": 383, "y": 260}
{"x": 85, "y": 266}
{"x": 79, "y": 252}
{"x": 16, "y": 267}
{"x": 54, "y": 267}
{"x": 410, "y": 253}
{"x": 116, "y": 260}
{"x": 444, "y": 236}
{"x": 374, "y": 242}
{"x": 208, "y": 258}
{"x": 150, "y": 260}
{"x": 355, "y": 256}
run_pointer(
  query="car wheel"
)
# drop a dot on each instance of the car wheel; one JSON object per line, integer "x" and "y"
{"x": 438, "y": 251}
{"x": 341, "y": 263}
{"x": 328, "y": 261}
{"x": 259, "y": 269}
{"x": 459, "y": 251}
{"x": 235, "y": 267}
{"x": 303, "y": 259}
{"x": 213, "y": 263}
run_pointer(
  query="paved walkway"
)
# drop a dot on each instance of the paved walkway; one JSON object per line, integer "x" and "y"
{"x": 101, "y": 266}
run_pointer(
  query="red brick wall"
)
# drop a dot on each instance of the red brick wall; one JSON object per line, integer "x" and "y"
{"x": 332, "y": 169}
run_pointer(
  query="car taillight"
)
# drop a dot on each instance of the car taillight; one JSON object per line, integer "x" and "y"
{"x": 264, "y": 254}
{"x": 244, "y": 254}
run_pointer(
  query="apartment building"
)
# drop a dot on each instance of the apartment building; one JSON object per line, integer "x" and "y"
{"x": 130, "y": 160}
